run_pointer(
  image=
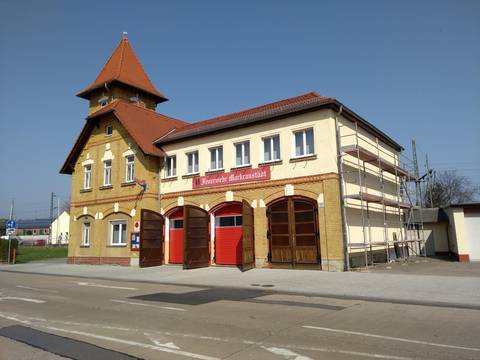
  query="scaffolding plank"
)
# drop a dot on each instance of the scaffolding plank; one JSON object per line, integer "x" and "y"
{"x": 377, "y": 199}
{"x": 368, "y": 156}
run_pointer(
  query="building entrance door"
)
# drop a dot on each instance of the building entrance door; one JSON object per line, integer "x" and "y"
{"x": 293, "y": 231}
{"x": 151, "y": 238}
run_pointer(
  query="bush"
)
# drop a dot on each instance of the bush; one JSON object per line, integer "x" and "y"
{"x": 4, "y": 249}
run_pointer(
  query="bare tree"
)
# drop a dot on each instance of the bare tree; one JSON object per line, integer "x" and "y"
{"x": 449, "y": 188}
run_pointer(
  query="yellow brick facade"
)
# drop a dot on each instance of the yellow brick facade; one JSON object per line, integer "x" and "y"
{"x": 121, "y": 200}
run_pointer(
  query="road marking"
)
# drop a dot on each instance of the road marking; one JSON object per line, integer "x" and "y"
{"x": 14, "y": 317}
{"x": 135, "y": 343}
{"x": 392, "y": 338}
{"x": 160, "y": 341}
{"x": 105, "y": 286}
{"x": 287, "y": 354}
{"x": 148, "y": 305}
{"x": 36, "y": 289}
{"x": 36, "y": 301}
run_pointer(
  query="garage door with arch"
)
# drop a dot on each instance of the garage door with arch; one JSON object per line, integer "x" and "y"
{"x": 196, "y": 237}
{"x": 175, "y": 236}
{"x": 293, "y": 231}
{"x": 228, "y": 234}
{"x": 151, "y": 238}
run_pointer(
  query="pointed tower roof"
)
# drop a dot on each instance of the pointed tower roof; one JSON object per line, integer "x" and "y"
{"x": 123, "y": 66}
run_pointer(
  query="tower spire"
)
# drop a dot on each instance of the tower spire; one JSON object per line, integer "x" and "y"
{"x": 123, "y": 70}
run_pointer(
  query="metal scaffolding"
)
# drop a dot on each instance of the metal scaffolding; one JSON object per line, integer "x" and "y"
{"x": 367, "y": 166}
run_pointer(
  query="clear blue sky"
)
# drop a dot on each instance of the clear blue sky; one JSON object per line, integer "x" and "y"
{"x": 412, "y": 68}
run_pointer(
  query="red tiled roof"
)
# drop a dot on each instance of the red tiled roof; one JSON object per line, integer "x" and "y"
{"x": 258, "y": 113}
{"x": 143, "y": 125}
{"x": 124, "y": 66}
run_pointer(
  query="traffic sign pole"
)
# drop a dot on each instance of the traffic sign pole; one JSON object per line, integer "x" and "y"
{"x": 11, "y": 222}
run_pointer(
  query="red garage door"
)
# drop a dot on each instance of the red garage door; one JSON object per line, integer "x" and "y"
{"x": 228, "y": 235}
{"x": 176, "y": 237}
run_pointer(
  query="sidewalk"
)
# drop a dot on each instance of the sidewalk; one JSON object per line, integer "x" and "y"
{"x": 432, "y": 290}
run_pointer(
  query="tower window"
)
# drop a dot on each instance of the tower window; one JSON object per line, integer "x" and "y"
{"x": 108, "y": 130}
{"x": 103, "y": 101}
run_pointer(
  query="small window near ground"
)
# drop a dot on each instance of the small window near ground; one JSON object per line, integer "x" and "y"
{"x": 86, "y": 234}
{"x": 171, "y": 166}
{"x": 118, "y": 232}
{"x": 108, "y": 130}
{"x": 304, "y": 145}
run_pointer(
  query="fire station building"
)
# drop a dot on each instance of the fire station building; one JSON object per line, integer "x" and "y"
{"x": 260, "y": 187}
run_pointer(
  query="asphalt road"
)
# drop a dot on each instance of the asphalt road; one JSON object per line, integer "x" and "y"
{"x": 80, "y": 318}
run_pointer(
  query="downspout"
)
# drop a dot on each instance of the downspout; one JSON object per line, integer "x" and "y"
{"x": 346, "y": 239}
{"x": 159, "y": 201}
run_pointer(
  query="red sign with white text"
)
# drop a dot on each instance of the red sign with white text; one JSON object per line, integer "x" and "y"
{"x": 233, "y": 177}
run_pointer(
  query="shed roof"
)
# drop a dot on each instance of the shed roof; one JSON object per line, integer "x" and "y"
{"x": 430, "y": 215}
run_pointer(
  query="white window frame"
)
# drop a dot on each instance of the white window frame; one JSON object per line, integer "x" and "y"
{"x": 87, "y": 176}
{"x": 217, "y": 158}
{"x": 86, "y": 233}
{"x": 195, "y": 161}
{"x": 304, "y": 142}
{"x": 242, "y": 144}
{"x": 107, "y": 172}
{"x": 170, "y": 172}
{"x": 108, "y": 127}
{"x": 270, "y": 138}
{"x": 122, "y": 224}
{"x": 130, "y": 168}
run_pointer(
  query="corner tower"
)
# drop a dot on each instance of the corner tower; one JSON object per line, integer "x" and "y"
{"x": 122, "y": 77}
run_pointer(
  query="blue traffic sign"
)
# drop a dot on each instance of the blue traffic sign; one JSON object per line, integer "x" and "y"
{"x": 11, "y": 224}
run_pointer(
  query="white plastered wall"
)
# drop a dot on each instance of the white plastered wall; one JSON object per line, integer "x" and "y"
{"x": 373, "y": 218}
{"x": 324, "y": 142}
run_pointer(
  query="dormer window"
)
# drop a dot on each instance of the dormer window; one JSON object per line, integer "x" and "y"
{"x": 108, "y": 130}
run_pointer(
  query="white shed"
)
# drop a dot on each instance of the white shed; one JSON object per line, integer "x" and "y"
{"x": 465, "y": 230}
{"x": 61, "y": 229}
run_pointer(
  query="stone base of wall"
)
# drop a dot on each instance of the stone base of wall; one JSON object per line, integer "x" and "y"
{"x": 333, "y": 265}
{"x": 96, "y": 260}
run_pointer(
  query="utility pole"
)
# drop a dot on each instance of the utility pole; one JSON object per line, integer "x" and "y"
{"x": 58, "y": 218}
{"x": 9, "y": 236}
{"x": 51, "y": 217}
{"x": 429, "y": 181}
{"x": 418, "y": 192}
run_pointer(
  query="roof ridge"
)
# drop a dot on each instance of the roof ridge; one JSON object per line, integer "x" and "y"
{"x": 154, "y": 112}
{"x": 293, "y": 98}
{"x": 122, "y": 56}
